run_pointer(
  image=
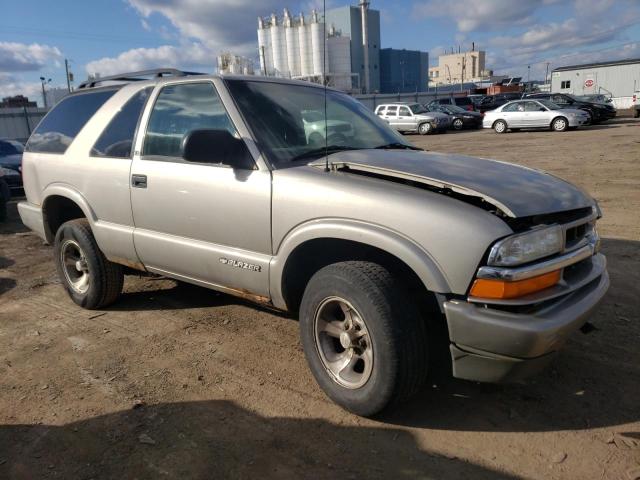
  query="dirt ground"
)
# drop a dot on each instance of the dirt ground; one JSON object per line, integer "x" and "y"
{"x": 175, "y": 381}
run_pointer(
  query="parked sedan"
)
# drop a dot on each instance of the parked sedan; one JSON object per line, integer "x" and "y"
{"x": 598, "y": 112}
{"x": 11, "y": 162}
{"x": 534, "y": 114}
{"x": 460, "y": 118}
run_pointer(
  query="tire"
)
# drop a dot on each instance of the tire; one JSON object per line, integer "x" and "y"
{"x": 425, "y": 128}
{"x": 636, "y": 113}
{"x": 92, "y": 281}
{"x": 5, "y": 196}
{"x": 560, "y": 124}
{"x": 388, "y": 362}
{"x": 500, "y": 126}
{"x": 458, "y": 124}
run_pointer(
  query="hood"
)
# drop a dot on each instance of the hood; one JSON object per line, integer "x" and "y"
{"x": 517, "y": 191}
{"x": 434, "y": 115}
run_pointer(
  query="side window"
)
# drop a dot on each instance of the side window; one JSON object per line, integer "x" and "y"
{"x": 559, "y": 99}
{"x": 57, "y": 130}
{"x": 512, "y": 107}
{"x": 392, "y": 110}
{"x": 117, "y": 139}
{"x": 381, "y": 110}
{"x": 404, "y": 112}
{"x": 533, "y": 107}
{"x": 180, "y": 109}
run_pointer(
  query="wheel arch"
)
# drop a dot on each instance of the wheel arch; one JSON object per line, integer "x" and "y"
{"x": 319, "y": 243}
{"x": 558, "y": 117}
{"x": 60, "y": 204}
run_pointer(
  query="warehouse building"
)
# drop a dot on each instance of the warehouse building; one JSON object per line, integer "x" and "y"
{"x": 403, "y": 71}
{"x": 617, "y": 79}
{"x": 324, "y": 49}
{"x": 459, "y": 67}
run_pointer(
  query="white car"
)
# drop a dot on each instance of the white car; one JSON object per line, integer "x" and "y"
{"x": 413, "y": 117}
{"x": 534, "y": 114}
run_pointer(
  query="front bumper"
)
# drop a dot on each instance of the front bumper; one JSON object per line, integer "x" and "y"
{"x": 495, "y": 345}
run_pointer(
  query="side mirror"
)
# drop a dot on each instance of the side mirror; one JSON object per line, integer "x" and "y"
{"x": 217, "y": 146}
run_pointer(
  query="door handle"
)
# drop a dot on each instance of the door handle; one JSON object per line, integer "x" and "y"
{"x": 139, "y": 181}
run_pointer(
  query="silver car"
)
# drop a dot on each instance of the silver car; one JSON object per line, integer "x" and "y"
{"x": 413, "y": 117}
{"x": 534, "y": 114}
{"x": 396, "y": 261}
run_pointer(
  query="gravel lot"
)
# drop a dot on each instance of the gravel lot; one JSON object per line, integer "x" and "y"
{"x": 175, "y": 381}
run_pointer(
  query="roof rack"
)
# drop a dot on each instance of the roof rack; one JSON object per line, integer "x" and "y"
{"x": 137, "y": 76}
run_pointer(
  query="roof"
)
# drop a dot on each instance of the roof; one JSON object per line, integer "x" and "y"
{"x": 628, "y": 61}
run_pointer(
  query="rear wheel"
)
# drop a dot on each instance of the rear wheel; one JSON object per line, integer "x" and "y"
{"x": 90, "y": 279}
{"x": 364, "y": 340}
{"x": 425, "y": 128}
{"x": 559, "y": 124}
{"x": 500, "y": 126}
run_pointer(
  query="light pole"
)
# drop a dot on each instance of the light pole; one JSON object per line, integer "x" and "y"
{"x": 44, "y": 81}
{"x": 529, "y": 77}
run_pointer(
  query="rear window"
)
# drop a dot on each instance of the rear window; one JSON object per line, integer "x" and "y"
{"x": 57, "y": 130}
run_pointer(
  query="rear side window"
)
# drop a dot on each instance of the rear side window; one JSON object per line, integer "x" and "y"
{"x": 463, "y": 101}
{"x": 178, "y": 110}
{"x": 117, "y": 139}
{"x": 57, "y": 130}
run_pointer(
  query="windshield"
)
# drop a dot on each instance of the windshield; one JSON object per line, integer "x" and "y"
{"x": 549, "y": 104}
{"x": 416, "y": 109}
{"x": 287, "y": 120}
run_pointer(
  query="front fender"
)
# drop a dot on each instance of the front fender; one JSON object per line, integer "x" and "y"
{"x": 392, "y": 242}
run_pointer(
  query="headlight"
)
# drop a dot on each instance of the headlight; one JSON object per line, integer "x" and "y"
{"x": 527, "y": 247}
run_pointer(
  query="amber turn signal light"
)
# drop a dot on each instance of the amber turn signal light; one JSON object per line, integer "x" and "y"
{"x": 484, "y": 288}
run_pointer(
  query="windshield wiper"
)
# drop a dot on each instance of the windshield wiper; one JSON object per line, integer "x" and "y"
{"x": 323, "y": 150}
{"x": 397, "y": 146}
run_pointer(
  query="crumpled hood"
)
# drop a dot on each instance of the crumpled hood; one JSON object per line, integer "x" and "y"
{"x": 517, "y": 191}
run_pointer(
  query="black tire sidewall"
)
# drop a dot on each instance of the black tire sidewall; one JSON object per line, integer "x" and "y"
{"x": 92, "y": 298}
{"x": 379, "y": 389}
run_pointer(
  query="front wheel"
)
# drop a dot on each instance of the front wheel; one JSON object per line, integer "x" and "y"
{"x": 500, "y": 126}
{"x": 363, "y": 337}
{"x": 425, "y": 129}
{"x": 89, "y": 278}
{"x": 560, "y": 124}
{"x": 458, "y": 124}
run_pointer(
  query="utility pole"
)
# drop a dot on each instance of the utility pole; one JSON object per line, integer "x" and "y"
{"x": 66, "y": 69}
{"x": 44, "y": 81}
{"x": 529, "y": 76}
{"x": 364, "y": 7}
{"x": 546, "y": 75}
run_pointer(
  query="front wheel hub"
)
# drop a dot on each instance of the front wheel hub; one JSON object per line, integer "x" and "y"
{"x": 343, "y": 343}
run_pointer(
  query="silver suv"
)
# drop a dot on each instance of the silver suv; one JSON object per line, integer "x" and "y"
{"x": 413, "y": 117}
{"x": 398, "y": 262}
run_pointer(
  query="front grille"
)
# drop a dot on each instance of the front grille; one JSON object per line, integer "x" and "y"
{"x": 578, "y": 233}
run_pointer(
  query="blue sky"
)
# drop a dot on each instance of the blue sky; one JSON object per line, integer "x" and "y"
{"x": 110, "y": 36}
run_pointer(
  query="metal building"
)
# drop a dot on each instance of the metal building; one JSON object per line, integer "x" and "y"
{"x": 295, "y": 47}
{"x": 618, "y": 79}
{"x": 403, "y": 71}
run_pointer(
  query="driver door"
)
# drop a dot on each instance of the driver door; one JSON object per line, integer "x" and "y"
{"x": 203, "y": 222}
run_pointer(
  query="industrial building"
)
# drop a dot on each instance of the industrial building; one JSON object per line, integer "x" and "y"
{"x": 403, "y": 71}
{"x": 618, "y": 79}
{"x": 340, "y": 49}
{"x": 459, "y": 68}
{"x": 235, "y": 64}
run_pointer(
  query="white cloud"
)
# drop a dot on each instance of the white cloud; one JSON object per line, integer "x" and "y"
{"x": 190, "y": 55}
{"x": 474, "y": 15}
{"x": 10, "y": 86}
{"x": 20, "y": 57}
{"x": 219, "y": 24}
